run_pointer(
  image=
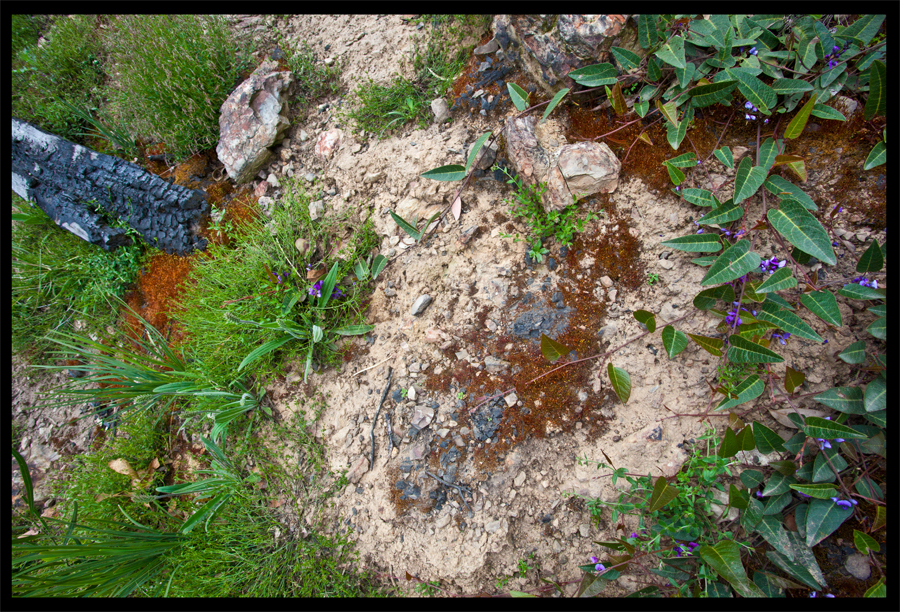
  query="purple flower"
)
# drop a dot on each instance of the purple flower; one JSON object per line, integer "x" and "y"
{"x": 336, "y": 293}
{"x": 750, "y": 117}
{"x": 748, "y": 105}
{"x": 316, "y": 289}
{"x": 781, "y": 336}
{"x": 843, "y": 503}
{"x": 766, "y": 121}
{"x": 693, "y": 545}
{"x": 594, "y": 560}
{"x": 835, "y": 49}
{"x": 759, "y": 494}
{"x": 600, "y": 567}
{"x": 634, "y": 534}
{"x": 770, "y": 265}
{"x": 823, "y": 444}
{"x": 753, "y": 51}
{"x": 733, "y": 319}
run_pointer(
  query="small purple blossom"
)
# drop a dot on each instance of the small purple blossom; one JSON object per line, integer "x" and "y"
{"x": 823, "y": 444}
{"x": 753, "y": 51}
{"x": 835, "y": 49}
{"x": 759, "y": 494}
{"x": 771, "y": 265}
{"x": 750, "y": 117}
{"x": 316, "y": 289}
{"x": 634, "y": 534}
{"x": 843, "y": 503}
{"x": 781, "y": 336}
{"x": 336, "y": 293}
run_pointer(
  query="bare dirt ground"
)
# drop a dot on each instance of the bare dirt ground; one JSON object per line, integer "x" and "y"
{"x": 515, "y": 459}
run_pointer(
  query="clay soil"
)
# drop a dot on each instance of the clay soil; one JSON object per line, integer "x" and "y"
{"x": 524, "y": 489}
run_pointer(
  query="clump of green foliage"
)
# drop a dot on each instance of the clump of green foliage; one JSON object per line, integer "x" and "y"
{"x": 173, "y": 72}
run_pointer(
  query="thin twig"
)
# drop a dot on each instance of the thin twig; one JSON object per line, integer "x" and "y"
{"x": 450, "y": 484}
{"x": 372, "y": 366}
{"x": 377, "y": 412}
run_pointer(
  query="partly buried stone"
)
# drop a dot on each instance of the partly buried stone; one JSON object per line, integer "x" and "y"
{"x": 251, "y": 120}
{"x": 581, "y": 169}
{"x": 440, "y": 110}
{"x": 326, "y": 143}
{"x": 421, "y": 304}
{"x": 359, "y": 467}
{"x": 422, "y": 417}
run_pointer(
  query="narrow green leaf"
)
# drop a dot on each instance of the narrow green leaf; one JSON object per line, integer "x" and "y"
{"x": 863, "y": 29}
{"x": 473, "y": 153}
{"x": 406, "y": 226}
{"x": 647, "y": 318}
{"x": 353, "y": 330}
{"x": 822, "y": 519}
{"x": 879, "y": 589}
{"x": 654, "y": 71}
{"x": 705, "y": 261}
{"x": 556, "y": 100}
{"x": 663, "y": 493}
{"x": 782, "y": 278}
{"x": 864, "y": 542}
{"x": 553, "y": 350}
{"x": 685, "y": 75}
{"x": 672, "y": 52}
{"x": 713, "y": 346}
{"x": 621, "y": 382}
{"x": 875, "y": 397}
{"x": 378, "y": 265}
{"x": 724, "y": 155}
{"x": 877, "y": 156}
{"x": 742, "y": 350}
{"x": 513, "y": 593}
{"x": 748, "y": 180}
{"x": 328, "y": 284}
{"x": 878, "y": 328}
{"x": 785, "y": 87}
{"x": 519, "y": 96}
{"x": 843, "y": 399}
{"x": 767, "y": 441}
{"x": 758, "y": 93}
{"x": 804, "y": 568}
{"x": 855, "y": 291}
{"x": 268, "y": 347}
{"x": 687, "y": 160}
{"x": 595, "y": 75}
{"x": 451, "y": 172}
{"x": 675, "y": 174}
{"x": 823, "y": 471}
{"x": 824, "y": 305}
{"x": 788, "y": 321}
{"x": 722, "y": 215}
{"x": 818, "y": 491}
{"x": 700, "y": 197}
{"x": 674, "y": 341}
{"x": 817, "y": 427}
{"x": 768, "y": 151}
{"x": 675, "y": 134}
{"x": 802, "y": 230}
{"x": 826, "y": 112}
{"x": 647, "y": 34}
{"x": 795, "y": 127}
{"x": 695, "y": 243}
{"x": 725, "y": 559}
{"x": 872, "y": 260}
{"x": 784, "y": 189}
{"x": 628, "y": 60}
{"x": 207, "y": 510}
{"x": 751, "y": 388}
{"x": 317, "y": 333}
{"x": 707, "y": 95}
{"x": 733, "y": 263}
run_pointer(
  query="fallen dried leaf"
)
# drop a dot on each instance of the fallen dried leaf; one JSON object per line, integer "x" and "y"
{"x": 456, "y": 209}
{"x": 781, "y": 415}
{"x": 315, "y": 274}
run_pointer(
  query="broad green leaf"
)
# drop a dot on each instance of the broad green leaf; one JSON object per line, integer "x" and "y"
{"x": 647, "y": 34}
{"x": 876, "y": 104}
{"x": 875, "y": 396}
{"x": 654, "y": 71}
{"x": 863, "y": 29}
{"x": 647, "y": 318}
{"x": 628, "y": 60}
{"x": 879, "y": 589}
{"x": 451, "y": 172}
{"x": 780, "y": 301}
{"x": 877, "y": 156}
{"x": 826, "y": 112}
{"x": 687, "y": 160}
{"x": 751, "y": 478}
{"x": 733, "y": 263}
{"x": 359, "y": 268}
{"x": 595, "y": 75}
{"x": 751, "y": 388}
{"x": 843, "y": 399}
{"x": 724, "y": 155}
{"x": 780, "y": 279}
{"x": 621, "y": 382}
{"x": 788, "y": 321}
{"x": 802, "y": 566}
{"x": 878, "y": 328}
{"x": 767, "y": 441}
{"x": 722, "y": 215}
{"x": 676, "y": 134}
{"x": 776, "y": 504}
{"x": 855, "y": 353}
{"x": 713, "y": 346}
{"x": 822, "y": 470}
{"x": 879, "y": 310}
{"x": 556, "y": 100}
{"x": 725, "y": 559}
{"x": 818, "y": 491}
{"x": 707, "y": 95}
{"x": 864, "y": 542}
{"x": 675, "y": 174}
{"x": 817, "y": 427}
{"x": 751, "y": 517}
{"x": 317, "y": 333}
{"x": 768, "y": 150}
{"x": 707, "y": 298}
{"x": 695, "y": 243}
{"x": 353, "y": 330}
{"x": 748, "y": 180}
{"x": 695, "y": 195}
{"x": 268, "y": 347}
{"x": 793, "y": 379}
{"x": 823, "y": 518}
{"x": 669, "y": 110}
{"x": 672, "y": 52}
{"x": 674, "y": 341}
{"x": 741, "y": 350}
{"x": 519, "y": 96}
{"x": 641, "y": 109}
{"x": 872, "y": 260}
{"x": 786, "y": 87}
{"x": 855, "y": 291}
{"x": 784, "y": 189}
{"x": 553, "y": 350}
{"x": 755, "y": 91}
{"x": 795, "y": 127}
{"x": 824, "y": 305}
{"x": 802, "y": 230}
{"x": 828, "y": 77}
{"x": 778, "y": 484}
{"x": 663, "y": 493}
{"x": 772, "y": 531}
{"x": 474, "y": 152}
{"x": 378, "y": 265}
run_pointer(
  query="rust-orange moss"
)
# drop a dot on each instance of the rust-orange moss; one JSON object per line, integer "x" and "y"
{"x": 157, "y": 291}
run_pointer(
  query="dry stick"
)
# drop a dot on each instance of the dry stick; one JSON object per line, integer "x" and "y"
{"x": 372, "y": 366}
{"x": 450, "y": 484}
{"x": 375, "y": 420}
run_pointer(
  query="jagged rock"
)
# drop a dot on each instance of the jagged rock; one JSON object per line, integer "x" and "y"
{"x": 421, "y": 304}
{"x": 327, "y": 142}
{"x": 548, "y": 47}
{"x": 251, "y": 120}
{"x": 359, "y": 467}
{"x": 581, "y": 169}
{"x": 440, "y": 109}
